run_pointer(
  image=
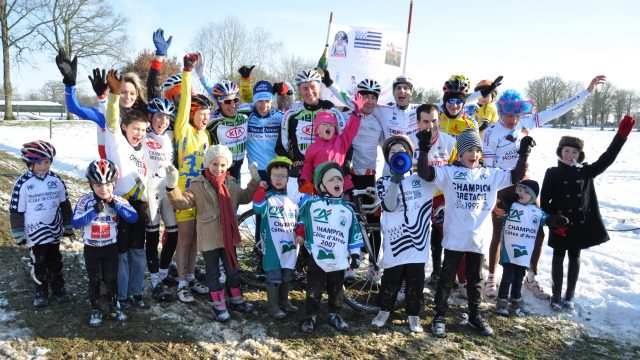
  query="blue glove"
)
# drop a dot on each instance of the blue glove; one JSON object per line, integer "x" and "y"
{"x": 161, "y": 44}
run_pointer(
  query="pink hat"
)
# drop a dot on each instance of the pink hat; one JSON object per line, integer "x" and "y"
{"x": 324, "y": 117}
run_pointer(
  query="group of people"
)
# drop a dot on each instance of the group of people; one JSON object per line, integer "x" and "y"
{"x": 452, "y": 171}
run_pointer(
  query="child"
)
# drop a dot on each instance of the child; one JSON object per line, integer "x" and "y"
{"x": 330, "y": 232}
{"x": 328, "y": 145}
{"x": 470, "y": 190}
{"x": 406, "y": 226}
{"x": 278, "y": 214}
{"x": 568, "y": 189}
{"x": 40, "y": 214}
{"x": 216, "y": 196}
{"x": 97, "y": 213}
{"x": 521, "y": 222}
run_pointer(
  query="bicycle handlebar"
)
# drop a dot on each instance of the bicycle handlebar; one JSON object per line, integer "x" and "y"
{"x": 371, "y": 193}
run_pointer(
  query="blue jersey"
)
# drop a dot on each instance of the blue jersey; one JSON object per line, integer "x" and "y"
{"x": 263, "y": 135}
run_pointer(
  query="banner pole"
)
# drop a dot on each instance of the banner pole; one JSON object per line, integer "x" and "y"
{"x": 323, "y": 62}
{"x": 406, "y": 44}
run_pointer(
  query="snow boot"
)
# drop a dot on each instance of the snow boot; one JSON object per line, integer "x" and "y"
{"x": 380, "y": 319}
{"x": 502, "y": 307}
{"x": 478, "y": 323}
{"x": 519, "y": 307}
{"x": 438, "y": 326}
{"x": 237, "y": 301}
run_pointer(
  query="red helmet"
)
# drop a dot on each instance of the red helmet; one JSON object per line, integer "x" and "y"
{"x": 102, "y": 171}
{"x": 37, "y": 151}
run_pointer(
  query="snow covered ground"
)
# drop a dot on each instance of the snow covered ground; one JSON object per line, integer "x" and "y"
{"x": 608, "y": 292}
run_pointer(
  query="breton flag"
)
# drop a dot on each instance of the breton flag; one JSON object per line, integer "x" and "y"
{"x": 368, "y": 40}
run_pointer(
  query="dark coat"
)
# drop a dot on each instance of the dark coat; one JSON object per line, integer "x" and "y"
{"x": 569, "y": 190}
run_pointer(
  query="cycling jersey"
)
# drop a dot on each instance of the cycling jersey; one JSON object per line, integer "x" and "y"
{"x": 455, "y": 126}
{"x": 101, "y": 228}
{"x": 518, "y": 235}
{"x": 231, "y": 132}
{"x": 158, "y": 152}
{"x": 365, "y": 145}
{"x": 36, "y": 208}
{"x": 263, "y": 136}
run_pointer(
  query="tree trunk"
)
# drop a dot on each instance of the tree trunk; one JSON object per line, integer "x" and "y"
{"x": 8, "y": 91}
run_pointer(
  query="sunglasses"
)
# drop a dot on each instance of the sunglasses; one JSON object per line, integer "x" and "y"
{"x": 510, "y": 107}
{"x": 455, "y": 101}
{"x": 230, "y": 101}
{"x": 279, "y": 176}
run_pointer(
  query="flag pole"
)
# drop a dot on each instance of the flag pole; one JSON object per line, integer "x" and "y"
{"x": 406, "y": 44}
{"x": 323, "y": 62}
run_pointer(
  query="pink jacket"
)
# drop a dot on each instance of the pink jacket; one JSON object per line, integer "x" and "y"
{"x": 334, "y": 149}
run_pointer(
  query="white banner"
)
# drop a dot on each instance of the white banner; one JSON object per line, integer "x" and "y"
{"x": 357, "y": 53}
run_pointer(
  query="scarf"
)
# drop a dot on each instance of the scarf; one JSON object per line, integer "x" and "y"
{"x": 228, "y": 221}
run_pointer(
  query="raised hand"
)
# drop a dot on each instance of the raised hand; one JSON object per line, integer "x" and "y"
{"x": 326, "y": 78}
{"x": 200, "y": 65}
{"x": 598, "y": 80}
{"x": 189, "y": 61}
{"x": 67, "y": 68}
{"x": 172, "y": 177}
{"x": 526, "y": 144}
{"x": 424, "y": 139}
{"x": 115, "y": 82}
{"x": 358, "y": 103}
{"x": 253, "y": 170}
{"x": 626, "y": 125}
{"x": 497, "y": 82}
{"x": 99, "y": 81}
{"x": 245, "y": 71}
{"x": 160, "y": 43}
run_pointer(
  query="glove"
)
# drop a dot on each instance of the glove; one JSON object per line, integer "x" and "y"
{"x": 358, "y": 103}
{"x": 355, "y": 261}
{"x": 172, "y": 177}
{"x": 112, "y": 202}
{"x": 326, "y": 104}
{"x": 556, "y": 221}
{"x": 99, "y": 81}
{"x": 245, "y": 72}
{"x": 625, "y": 127}
{"x": 99, "y": 205}
{"x": 280, "y": 88}
{"x": 526, "y": 144}
{"x": 424, "y": 140}
{"x": 483, "y": 125}
{"x": 253, "y": 170}
{"x": 189, "y": 61}
{"x": 115, "y": 82}
{"x": 326, "y": 79}
{"x": 486, "y": 91}
{"x": 396, "y": 178}
{"x": 561, "y": 231}
{"x": 307, "y": 188}
{"x": 161, "y": 44}
{"x": 200, "y": 65}
{"x": 67, "y": 68}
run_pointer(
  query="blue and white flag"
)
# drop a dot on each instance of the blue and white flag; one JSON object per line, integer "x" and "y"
{"x": 368, "y": 40}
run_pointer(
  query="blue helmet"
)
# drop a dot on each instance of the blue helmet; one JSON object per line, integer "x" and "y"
{"x": 161, "y": 106}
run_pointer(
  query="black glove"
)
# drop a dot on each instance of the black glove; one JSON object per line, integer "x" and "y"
{"x": 355, "y": 261}
{"x": 554, "y": 221}
{"x": 67, "y": 68}
{"x": 486, "y": 91}
{"x": 508, "y": 200}
{"x": 483, "y": 125}
{"x": 99, "y": 81}
{"x": 112, "y": 203}
{"x": 99, "y": 205}
{"x": 245, "y": 71}
{"x": 326, "y": 79}
{"x": 526, "y": 144}
{"x": 326, "y": 104}
{"x": 279, "y": 88}
{"x": 424, "y": 140}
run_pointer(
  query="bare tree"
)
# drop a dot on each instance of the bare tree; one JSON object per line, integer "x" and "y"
{"x": 83, "y": 28}
{"x": 141, "y": 63}
{"x": 17, "y": 23}
{"x": 53, "y": 90}
{"x": 546, "y": 91}
{"x": 603, "y": 101}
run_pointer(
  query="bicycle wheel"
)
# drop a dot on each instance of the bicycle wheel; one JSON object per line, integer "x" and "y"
{"x": 249, "y": 254}
{"x": 362, "y": 293}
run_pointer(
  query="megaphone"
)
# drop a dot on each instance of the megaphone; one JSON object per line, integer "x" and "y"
{"x": 400, "y": 162}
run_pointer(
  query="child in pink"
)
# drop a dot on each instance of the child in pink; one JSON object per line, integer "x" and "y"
{"x": 328, "y": 145}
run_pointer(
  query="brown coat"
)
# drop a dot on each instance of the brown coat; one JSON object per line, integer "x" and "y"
{"x": 204, "y": 198}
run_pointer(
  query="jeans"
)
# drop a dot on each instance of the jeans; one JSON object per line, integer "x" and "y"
{"x": 512, "y": 277}
{"x": 277, "y": 277}
{"x": 131, "y": 265}
{"x": 212, "y": 267}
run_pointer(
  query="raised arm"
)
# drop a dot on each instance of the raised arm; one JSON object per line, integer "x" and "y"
{"x": 182, "y": 119}
{"x": 115, "y": 82}
{"x": 609, "y": 156}
{"x": 425, "y": 171}
{"x": 522, "y": 165}
{"x": 153, "y": 78}
{"x": 246, "y": 90}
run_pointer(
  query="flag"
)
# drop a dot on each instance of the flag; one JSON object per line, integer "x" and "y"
{"x": 368, "y": 40}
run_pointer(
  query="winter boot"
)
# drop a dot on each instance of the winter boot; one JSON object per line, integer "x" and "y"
{"x": 478, "y": 323}
{"x": 96, "y": 318}
{"x": 285, "y": 303}
{"x": 41, "y": 299}
{"x": 380, "y": 319}
{"x": 219, "y": 306}
{"x": 237, "y": 301}
{"x": 502, "y": 307}
{"x": 273, "y": 295}
{"x": 519, "y": 307}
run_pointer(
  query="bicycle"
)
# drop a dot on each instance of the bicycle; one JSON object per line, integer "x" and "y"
{"x": 361, "y": 294}
{"x": 249, "y": 252}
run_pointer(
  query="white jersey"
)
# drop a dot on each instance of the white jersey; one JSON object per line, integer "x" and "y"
{"x": 500, "y": 144}
{"x": 365, "y": 145}
{"x": 277, "y": 229}
{"x": 519, "y": 232}
{"x": 158, "y": 153}
{"x": 443, "y": 148}
{"x": 39, "y": 200}
{"x": 406, "y": 231}
{"x": 470, "y": 194}
{"x": 132, "y": 170}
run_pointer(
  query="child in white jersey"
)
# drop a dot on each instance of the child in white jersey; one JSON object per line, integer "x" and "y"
{"x": 97, "y": 214}
{"x": 40, "y": 214}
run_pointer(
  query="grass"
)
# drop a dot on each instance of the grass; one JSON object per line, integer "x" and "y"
{"x": 181, "y": 331}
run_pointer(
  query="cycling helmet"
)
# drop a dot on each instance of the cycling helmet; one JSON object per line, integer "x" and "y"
{"x": 369, "y": 86}
{"x": 161, "y": 106}
{"x": 307, "y": 76}
{"x": 37, "y": 151}
{"x": 200, "y": 101}
{"x": 279, "y": 161}
{"x": 102, "y": 171}
{"x": 402, "y": 80}
{"x": 482, "y": 84}
{"x": 225, "y": 88}
{"x": 170, "y": 83}
{"x": 456, "y": 84}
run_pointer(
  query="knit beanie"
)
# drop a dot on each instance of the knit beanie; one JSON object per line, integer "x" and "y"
{"x": 532, "y": 188}
{"x": 468, "y": 139}
{"x": 324, "y": 172}
{"x": 324, "y": 117}
{"x": 573, "y": 142}
{"x": 397, "y": 139}
{"x": 217, "y": 151}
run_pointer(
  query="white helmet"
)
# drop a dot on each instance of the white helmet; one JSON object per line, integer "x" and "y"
{"x": 307, "y": 76}
{"x": 368, "y": 85}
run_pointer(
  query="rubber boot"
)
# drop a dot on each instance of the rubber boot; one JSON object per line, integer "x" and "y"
{"x": 273, "y": 296}
{"x": 285, "y": 303}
